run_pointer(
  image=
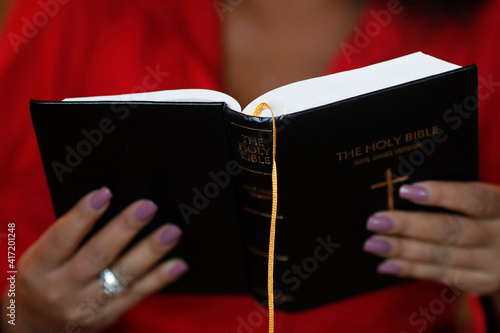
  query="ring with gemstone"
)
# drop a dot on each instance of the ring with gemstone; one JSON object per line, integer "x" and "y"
{"x": 110, "y": 284}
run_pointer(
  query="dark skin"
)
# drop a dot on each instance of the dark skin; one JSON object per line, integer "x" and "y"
{"x": 267, "y": 44}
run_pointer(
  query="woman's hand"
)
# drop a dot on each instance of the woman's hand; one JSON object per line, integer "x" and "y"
{"x": 57, "y": 286}
{"x": 461, "y": 250}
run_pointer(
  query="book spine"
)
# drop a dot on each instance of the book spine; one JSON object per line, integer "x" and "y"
{"x": 251, "y": 146}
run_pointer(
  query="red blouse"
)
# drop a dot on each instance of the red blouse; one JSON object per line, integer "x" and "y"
{"x": 52, "y": 49}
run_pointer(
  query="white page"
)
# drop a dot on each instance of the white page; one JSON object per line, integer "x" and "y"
{"x": 179, "y": 95}
{"x": 307, "y": 94}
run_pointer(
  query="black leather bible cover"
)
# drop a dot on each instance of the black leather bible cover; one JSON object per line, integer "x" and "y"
{"x": 208, "y": 169}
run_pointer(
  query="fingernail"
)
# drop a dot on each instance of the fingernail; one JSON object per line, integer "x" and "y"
{"x": 388, "y": 268}
{"x": 415, "y": 193}
{"x": 170, "y": 234}
{"x": 179, "y": 268}
{"x": 100, "y": 198}
{"x": 377, "y": 246}
{"x": 379, "y": 223}
{"x": 145, "y": 210}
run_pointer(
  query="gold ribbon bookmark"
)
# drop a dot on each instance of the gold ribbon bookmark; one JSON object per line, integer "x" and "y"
{"x": 272, "y": 233}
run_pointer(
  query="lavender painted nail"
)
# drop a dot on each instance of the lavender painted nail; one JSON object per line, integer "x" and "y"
{"x": 178, "y": 268}
{"x": 388, "y": 268}
{"x": 377, "y": 246}
{"x": 379, "y": 223}
{"x": 170, "y": 234}
{"x": 414, "y": 193}
{"x": 100, "y": 198}
{"x": 145, "y": 210}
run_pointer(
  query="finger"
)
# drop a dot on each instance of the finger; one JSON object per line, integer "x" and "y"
{"x": 102, "y": 249}
{"x": 443, "y": 228}
{"x": 137, "y": 261}
{"x": 428, "y": 253}
{"x": 473, "y": 281}
{"x": 470, "y": 198}
{"x": 62, "y": 239}
{"x": 160, "y": 277}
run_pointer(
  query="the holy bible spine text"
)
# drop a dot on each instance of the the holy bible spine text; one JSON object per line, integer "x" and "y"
{"x": 251, "y": 145}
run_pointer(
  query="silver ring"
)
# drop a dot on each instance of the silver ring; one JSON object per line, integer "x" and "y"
{"x": 110, "y": 284}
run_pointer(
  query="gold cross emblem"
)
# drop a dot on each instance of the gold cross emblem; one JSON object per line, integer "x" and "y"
{"x": 389, "y": 183}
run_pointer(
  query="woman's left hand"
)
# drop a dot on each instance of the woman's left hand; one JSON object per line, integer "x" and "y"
{"x": 461, "y": 250}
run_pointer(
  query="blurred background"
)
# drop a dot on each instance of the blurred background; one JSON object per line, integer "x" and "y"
{"x": 4, "y": 4}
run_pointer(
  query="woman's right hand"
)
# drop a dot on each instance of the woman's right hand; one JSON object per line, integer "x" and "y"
{"x": 57, "y": 283}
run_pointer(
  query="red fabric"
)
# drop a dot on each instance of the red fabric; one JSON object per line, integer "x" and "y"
{"x": 84, "y": 48}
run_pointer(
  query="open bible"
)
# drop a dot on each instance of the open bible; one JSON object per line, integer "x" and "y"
{"x": 345, "y": 143}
